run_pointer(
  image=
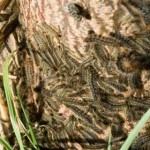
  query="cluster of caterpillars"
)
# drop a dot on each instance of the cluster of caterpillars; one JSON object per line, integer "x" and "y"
{"x": 77, "y": 103}
{"x": 129, "y": 64}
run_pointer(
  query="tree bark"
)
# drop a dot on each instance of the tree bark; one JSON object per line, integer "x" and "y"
{"x": 82, "y": 69}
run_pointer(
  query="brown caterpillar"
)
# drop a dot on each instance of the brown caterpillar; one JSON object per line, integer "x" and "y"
{"x": 135, "y": 81}
{"x": 93, "y": 85}
{"x": 49, "y": 29}
{"x": 93, "y": 38}
{"x": 106, "y": 88}
{"x": 29, "y": 71}
{"x": 100, "y": 53}
{"x": 95, "y": 145}
{"x": 145, "y": 43}
{"x": 74, "y": 102}
{"x": 81, "y": 114}
{"x": 116, "y": 85}
{"x": 88, "y": 135}
{"x": 70, "y": 124}
{"x": 46, "y": 60}
{"x": 140, "y": 142}
{"x": 63, "y": 135}
{"x": 112, "y": 105}
{"x": 93, "y": 77}
{"x": 144, "y": 103}
{"x": 38, "y": 40}
{"x": 93, "y": 128}
{"x": 116, "y": 127}
{"x": 143, "y": 7}
{"x": 127, "y": 42}
{"x": 144, "y": 34}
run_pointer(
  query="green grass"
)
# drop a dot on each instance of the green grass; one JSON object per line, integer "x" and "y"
{"x": 136, "y": 131}
{"x": 109, "y": 141}
{"x": 13, "y": 117}
{"x": 5, "y": 144}
{"x": 32, "y": 137}
{"x": 10, "y": 104}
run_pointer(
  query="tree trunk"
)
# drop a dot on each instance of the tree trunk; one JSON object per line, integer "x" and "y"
{"x": 82, "y": 68}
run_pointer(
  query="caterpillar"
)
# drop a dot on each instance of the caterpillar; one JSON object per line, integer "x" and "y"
{"x": 81, "y": 114}
{"x": 140, "y": 141}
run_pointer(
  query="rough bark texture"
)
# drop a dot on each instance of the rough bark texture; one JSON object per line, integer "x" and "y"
{"x": 106, "y": 16}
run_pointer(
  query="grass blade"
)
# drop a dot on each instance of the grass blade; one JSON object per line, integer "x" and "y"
{"x": 27, "y": 134}
{"x": 33, "y": 138}
{"x": 9, "y": 99}
{"x": 5, "y": 144}
{"x": 109, "y": 141}
{"x": 135, "y": 131}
